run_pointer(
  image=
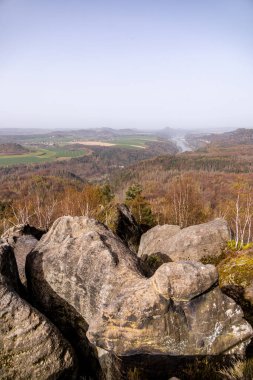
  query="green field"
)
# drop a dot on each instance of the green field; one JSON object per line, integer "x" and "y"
{"x": 61, "y": 151}
{"x": 40, "y": 156}
{"x": 133, "y": 141}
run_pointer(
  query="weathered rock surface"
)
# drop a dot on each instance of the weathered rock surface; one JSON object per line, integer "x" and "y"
{"x": 85, "y": 274}
{"x": 197, "y": 243}
{"x": 155, "y": 239}
{"x": 30, "y": 346}
{"x": 21, "y": 230}
{"x": 23, "y": 239}
{"x": 127, "y": 228}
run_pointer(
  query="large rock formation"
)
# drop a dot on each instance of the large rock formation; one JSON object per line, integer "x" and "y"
{"x": 201, "y": 242}
{"x": 30, "y": 346}
{"x": 88, "y": 282}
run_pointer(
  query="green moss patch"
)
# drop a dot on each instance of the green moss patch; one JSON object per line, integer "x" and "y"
{"x": 236, "y": 269}
{"x": 214, "y": 260}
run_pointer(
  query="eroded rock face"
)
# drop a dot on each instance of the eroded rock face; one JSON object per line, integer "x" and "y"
{"x": 85, "y": 274}
{"x": 31, "y": 347}
{"x": 127, "y": 228}
{"x": 179, "y": 311}
{"x": 23, "y": 239}
{"x": 200, "y": 242}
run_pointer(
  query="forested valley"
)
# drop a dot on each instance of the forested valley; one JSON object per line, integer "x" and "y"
{"x": 177, "y": 188}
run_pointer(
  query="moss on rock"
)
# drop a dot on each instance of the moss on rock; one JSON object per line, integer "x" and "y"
{"x": 236, "y": 269}
{"x": 236, "y": 280}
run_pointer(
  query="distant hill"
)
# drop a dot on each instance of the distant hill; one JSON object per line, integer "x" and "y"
{"x": 11, "y": 148}
{"x": 22, "y": 131}
{"x": 97, "y": 133}
{"x": 23, "y": 135}
{"x": 169, "y": 132}
{"x": 241, "y": 136}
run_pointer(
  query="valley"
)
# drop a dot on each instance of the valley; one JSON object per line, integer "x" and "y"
{"x": 161, "y": 200}
{"x": 63, "y": 145}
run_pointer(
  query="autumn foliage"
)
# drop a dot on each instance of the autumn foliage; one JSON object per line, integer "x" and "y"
{"x": 182, "y": 189}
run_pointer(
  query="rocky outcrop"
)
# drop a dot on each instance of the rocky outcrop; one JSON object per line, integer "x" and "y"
{"x": 31, "y": 347}
{"x": 88, "y": 282}
{"x": 203, "y": 242}
{"x": 126, "y": 227}
{"x": 13, "y": 233}
{"x": 23, "y": 239}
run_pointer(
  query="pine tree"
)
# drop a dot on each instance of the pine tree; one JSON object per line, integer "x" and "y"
{"x": 138, "y": 205}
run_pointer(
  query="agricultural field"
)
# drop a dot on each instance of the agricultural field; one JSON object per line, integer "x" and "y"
{"x": 41, "y": 155}
{"x": 134, "y": 141}
{"x": 125, "y": 142}
{"x": 64, "y": 145}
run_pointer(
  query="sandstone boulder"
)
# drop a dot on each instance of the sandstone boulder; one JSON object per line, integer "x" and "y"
{"x": 30, "y": 346}
{"x": 155, "y": 239}
{"x": 87, "y": 281}
{"x": 203, "y": 242}
{"x": 153, "y": 245}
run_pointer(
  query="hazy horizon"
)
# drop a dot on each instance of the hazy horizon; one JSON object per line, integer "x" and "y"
{"x": 125, "y": 64}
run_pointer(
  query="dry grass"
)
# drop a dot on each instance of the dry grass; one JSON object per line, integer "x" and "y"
{"x": 236, "y": 372}
{"x": 240, "y": 370}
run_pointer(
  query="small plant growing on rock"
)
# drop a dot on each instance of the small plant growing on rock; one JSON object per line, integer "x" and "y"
{"x": 232, "y": 245}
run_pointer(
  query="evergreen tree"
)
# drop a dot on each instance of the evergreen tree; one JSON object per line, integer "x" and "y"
{"x": 138, "y": 205}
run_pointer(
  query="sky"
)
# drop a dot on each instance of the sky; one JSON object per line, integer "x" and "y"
{"x": 126, "y": 63}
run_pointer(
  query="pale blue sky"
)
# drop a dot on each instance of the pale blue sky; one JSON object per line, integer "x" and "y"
{"x": 131, "y": 63}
